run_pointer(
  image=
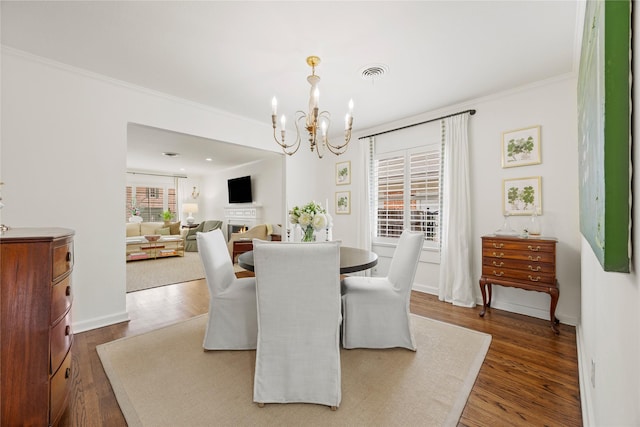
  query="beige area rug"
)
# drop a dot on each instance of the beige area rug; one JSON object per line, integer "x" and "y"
{"x": 151, "y": 273}
{"x": 164, "y": 378}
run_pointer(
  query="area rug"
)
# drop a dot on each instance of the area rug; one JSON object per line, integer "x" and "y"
{"x": 151, "y": 273}
{"x": 164, "y": 378}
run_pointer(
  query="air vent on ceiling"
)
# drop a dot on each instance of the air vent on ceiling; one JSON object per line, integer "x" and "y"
{"x": 373, "y": 72}
{"x": 170, "y": 154}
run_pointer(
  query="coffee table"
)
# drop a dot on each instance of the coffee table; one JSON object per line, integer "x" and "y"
{"x": 166, "y": 246}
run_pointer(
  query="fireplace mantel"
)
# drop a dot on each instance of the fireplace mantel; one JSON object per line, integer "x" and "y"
{"x": 248, "y": 216}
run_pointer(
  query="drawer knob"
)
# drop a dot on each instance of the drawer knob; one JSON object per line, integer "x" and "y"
{"x": 67, "y": 292}
{"x": 495, "y": 264}
{"x": 534, "y": 269}
{"x": 534, "y": 259}
{"x": 500, "y": 255}
{"x": 67, "y": 329}
{"x": 498, "y": 245}
{"x": 67, "y": 372}
{"x": 537, "y": 279}
{"x": 536, "y": 249}
{"x": 495, "y": 273}
{"x": 68, "y": 256}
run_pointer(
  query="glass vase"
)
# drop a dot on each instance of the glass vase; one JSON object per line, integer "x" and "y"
{"x": 309, "y": 234}
{"x": 534, "y": 229}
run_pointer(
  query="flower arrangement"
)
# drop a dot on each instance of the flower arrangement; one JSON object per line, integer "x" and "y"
{"x": 135, "y": 211}
{"x": 311, "y": 217}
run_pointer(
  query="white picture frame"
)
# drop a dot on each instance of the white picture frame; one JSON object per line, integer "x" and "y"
{"x": 521, "y": 147}
{"x": 343, "y": 202}
{"x": 343, "y": 173}
{"x": 520, "y": 196}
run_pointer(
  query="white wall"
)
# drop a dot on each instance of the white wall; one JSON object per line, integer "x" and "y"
{"x": 550, "y": 104}
{"x": 609, "y": 331}
{"x": 63, "y": 162}
{"x": 267, "y": 178}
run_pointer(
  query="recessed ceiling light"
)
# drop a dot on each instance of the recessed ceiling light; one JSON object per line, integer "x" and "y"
{"x": 209, "y": 159}
{"x": 170, "y": 154}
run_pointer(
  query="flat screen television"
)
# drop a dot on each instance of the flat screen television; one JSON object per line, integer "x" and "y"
{"x": 240, "y": 190}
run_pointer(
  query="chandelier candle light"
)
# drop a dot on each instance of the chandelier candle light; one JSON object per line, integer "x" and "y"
{"x": 313, "y": 120}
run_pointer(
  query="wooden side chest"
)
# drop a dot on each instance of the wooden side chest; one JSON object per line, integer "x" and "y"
{"x": 35, "y": 328}
{"x": 525, "y": 263}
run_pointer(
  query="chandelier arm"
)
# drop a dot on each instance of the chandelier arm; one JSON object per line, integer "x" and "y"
{"x": 285, "y": 147}
{"x": 337, "y": 150}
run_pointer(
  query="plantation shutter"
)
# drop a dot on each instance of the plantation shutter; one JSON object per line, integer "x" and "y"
{"x": 424, "y": 202}
{"x": 390, "y": 196}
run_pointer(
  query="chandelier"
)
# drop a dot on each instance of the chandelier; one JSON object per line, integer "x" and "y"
{"x": 313, "y": 120}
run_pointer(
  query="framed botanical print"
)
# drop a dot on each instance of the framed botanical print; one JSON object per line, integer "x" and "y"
{"x": 343, "y": 173}
{"x": 343, "y": 202}
{"x": 521, "y": 147}
{"x": 520, "y": 196}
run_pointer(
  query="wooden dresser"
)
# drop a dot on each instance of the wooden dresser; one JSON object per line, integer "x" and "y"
{"x": 525, "y": 263}
{"x": 35, "y": 328}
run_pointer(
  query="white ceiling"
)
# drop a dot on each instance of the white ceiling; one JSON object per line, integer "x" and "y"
{"x": 236, "y": 55}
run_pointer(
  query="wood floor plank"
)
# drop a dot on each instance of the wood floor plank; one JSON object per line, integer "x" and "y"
{"x": 529, "y": 377}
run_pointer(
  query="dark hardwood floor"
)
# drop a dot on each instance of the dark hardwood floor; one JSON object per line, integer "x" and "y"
{"x": 529, "y": 377}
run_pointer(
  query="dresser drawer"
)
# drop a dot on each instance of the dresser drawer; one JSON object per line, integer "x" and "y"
{"x": 60, "y": 389}
{"x": 519, "y": 275}
{"x": 61, "y": 338}
{"x": 516, "y": 264}
{"x": 62, "y": 259}
{"x": 61, "y": 298}
{"x": 519, "y": 245}
{"x": 548, "y": 257}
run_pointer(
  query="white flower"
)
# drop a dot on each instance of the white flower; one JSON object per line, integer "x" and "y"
{"x": 319, "y": 221}
{"x": 293, "y": 219}
{"x": 305, "y": 219}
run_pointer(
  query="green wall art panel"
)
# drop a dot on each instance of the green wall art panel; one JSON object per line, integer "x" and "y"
{"x": 604, "y": 132}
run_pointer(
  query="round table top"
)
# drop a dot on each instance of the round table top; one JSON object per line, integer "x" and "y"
{"x": 351, "y": 260}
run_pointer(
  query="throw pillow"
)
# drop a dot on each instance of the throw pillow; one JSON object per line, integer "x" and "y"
{"x": 163, "y": 231}
{"x": 174, "y": 228}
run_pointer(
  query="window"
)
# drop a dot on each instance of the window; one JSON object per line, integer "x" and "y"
{"x": 151, "y": 201}
{"x": 406, "y": 186}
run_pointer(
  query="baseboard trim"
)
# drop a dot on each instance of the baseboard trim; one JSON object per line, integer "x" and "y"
{"x": 100, "y": 322}
{"x": 584, "y": 368}
{"x": 540, "y": 313}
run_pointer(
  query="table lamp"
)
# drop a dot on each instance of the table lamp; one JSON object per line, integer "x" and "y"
{"x": 190, "y": 208}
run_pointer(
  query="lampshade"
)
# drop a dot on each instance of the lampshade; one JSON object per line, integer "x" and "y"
{"x": 190, "y": 208}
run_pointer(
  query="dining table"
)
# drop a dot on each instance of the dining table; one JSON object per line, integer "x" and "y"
{"x": 351, "y": 260}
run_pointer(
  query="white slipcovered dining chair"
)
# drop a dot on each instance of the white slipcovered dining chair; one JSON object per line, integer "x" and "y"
{"x": 233, "y": 321}
{"x": 298, "y": 294}
{"x": 376, "y": 309}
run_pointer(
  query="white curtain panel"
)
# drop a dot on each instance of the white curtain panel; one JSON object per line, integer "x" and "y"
{"x": 365, "y": 231}
{"x": 456, "y": 284}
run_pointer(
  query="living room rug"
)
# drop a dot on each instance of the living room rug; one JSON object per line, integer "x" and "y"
{"x": 165, "y": 378}
{"x": 151, "y": 273}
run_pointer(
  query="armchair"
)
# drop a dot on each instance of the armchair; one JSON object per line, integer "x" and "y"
{"x": 191, "y": 243}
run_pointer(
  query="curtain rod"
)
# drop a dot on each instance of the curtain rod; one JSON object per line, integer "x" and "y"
{"x": 157, "y": 174}
{"x": 471, "y": 112}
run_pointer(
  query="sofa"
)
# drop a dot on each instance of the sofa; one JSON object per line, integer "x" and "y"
{"x": 137, "y": 229}
{"x": 191, "y": 244}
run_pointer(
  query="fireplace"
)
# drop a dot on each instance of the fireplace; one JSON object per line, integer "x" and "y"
{"x": 241, "y": 218}
{"x": 234, "y": 228}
